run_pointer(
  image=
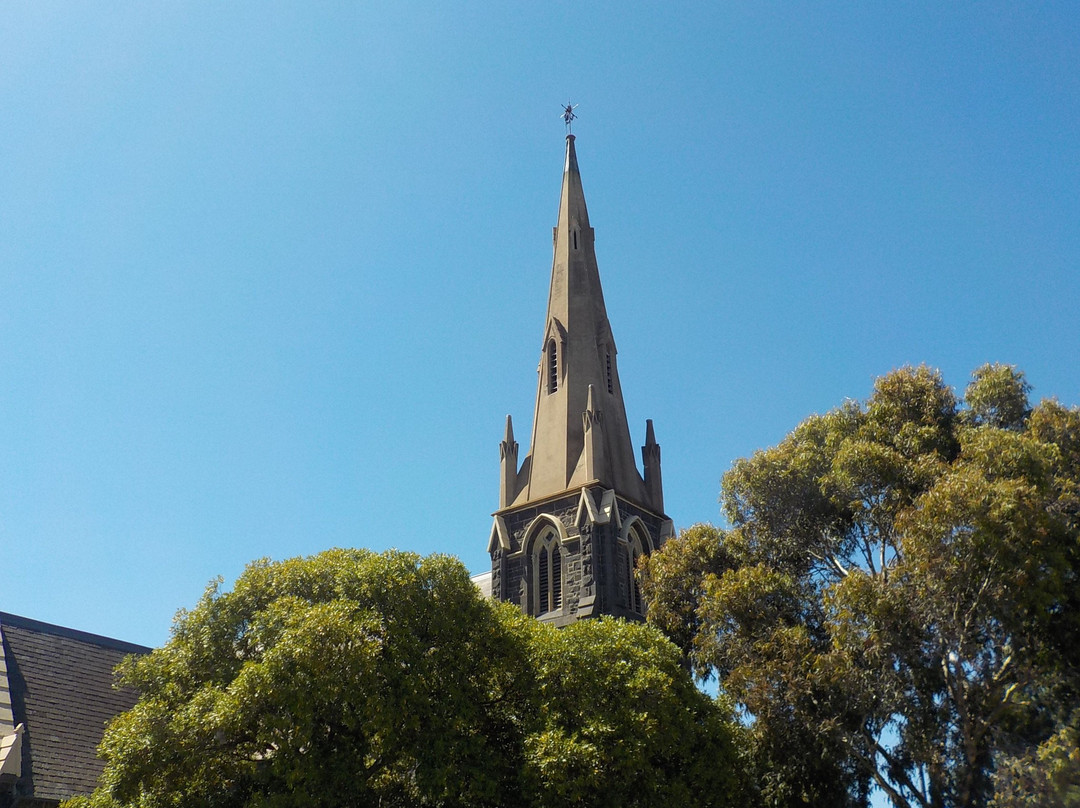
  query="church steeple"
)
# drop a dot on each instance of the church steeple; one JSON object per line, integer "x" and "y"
{"x": 581, "y": 460}
{"x": 578, "y": 352}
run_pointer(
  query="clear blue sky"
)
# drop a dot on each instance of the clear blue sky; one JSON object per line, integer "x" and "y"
{"x": 272, "y": 275}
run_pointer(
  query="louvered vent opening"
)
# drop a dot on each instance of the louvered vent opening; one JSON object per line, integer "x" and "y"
{"x": 553, "y": 367}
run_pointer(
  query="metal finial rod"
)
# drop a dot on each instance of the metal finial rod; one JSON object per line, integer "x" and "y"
{"x": 568, "y": 115}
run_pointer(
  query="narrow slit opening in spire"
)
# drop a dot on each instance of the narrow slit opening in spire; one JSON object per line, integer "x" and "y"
{"x": 553, "y": 367}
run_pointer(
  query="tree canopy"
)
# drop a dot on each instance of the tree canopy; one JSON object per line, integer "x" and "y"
{"x": 895, "y": 604}
{"x": 356, "y": 678}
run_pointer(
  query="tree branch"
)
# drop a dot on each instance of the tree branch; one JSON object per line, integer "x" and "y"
{"x": 883, "y": 783}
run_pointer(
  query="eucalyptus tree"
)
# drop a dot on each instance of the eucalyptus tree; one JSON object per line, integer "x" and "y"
{"x": 895, "y": 605}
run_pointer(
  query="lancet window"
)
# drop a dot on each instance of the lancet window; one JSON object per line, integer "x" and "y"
{"x": 635, "y": 549}
{"x": 548, "y": 573}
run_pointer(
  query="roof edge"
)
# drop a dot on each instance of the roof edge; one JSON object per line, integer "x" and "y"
{"x": 8, "y": 619}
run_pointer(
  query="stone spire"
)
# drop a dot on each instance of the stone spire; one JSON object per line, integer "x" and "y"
{"x": 580, "y": 433}
{"x": 576, "y": 515}
{"x": 508, "y": 454}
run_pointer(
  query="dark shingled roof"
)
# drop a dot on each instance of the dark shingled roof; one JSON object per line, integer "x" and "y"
{"x": 61, "y": 689}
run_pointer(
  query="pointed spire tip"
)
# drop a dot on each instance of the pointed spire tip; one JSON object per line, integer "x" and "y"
{"x": 570, "y": 166}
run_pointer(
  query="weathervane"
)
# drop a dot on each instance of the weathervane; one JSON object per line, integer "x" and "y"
{"x": 568, "y": 115}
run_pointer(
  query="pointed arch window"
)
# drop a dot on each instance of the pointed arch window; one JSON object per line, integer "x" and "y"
{"x": 552, "y": 367}
{"x": 635, "y": 549}
{"x": 548, "y": 574}
{"x": 573, "y": 236}
{"x": 610, "y": 379}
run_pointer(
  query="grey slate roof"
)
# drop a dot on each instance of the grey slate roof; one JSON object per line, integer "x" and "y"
{"x": 60, "y": 683}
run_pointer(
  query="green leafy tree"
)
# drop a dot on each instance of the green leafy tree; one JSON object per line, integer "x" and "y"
{"x": 621, "y": 723}
{"x": 898, "y": 591}
{"x": 1047, "y": 776}
{"x": 352, "y": 678}
{"x": 349, "y": 678}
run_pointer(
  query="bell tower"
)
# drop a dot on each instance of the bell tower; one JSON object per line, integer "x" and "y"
{"x": 576, "y": 514}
